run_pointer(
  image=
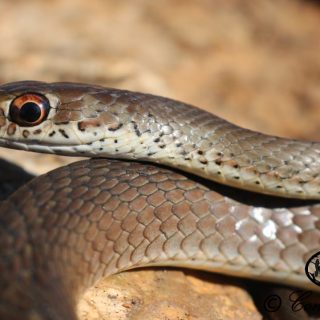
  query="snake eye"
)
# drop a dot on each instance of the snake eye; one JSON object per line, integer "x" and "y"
{"x": 29, "y": 109}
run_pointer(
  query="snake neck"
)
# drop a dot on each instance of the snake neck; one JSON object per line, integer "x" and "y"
{"x": 207, "y": 146}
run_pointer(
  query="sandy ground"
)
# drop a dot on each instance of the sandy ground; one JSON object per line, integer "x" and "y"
{"x": 255, "y": 63}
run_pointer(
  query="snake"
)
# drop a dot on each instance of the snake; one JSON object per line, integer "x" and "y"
{"x": 167, "y": 184}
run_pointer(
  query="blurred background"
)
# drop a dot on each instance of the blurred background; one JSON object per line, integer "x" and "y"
{"x": 255, "y": 63}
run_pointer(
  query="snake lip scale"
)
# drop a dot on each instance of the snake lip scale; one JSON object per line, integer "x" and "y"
{"x": 63, "y": 231}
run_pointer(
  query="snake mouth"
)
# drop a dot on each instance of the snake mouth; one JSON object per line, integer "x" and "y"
{"x": 79, "y": 149}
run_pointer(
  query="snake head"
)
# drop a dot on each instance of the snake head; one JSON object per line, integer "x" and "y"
{"x": 62, "y": 118}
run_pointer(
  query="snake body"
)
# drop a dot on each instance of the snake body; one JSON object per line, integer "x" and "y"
{"x": 63, "y": 231}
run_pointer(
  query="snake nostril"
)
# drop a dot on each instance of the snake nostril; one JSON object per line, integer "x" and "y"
{"x": 29, "y": 109}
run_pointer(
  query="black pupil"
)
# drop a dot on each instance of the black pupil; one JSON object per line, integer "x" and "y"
{"x": 30, "y": 112}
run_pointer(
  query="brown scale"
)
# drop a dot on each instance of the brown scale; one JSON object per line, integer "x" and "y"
{"x": 11, "y": 129}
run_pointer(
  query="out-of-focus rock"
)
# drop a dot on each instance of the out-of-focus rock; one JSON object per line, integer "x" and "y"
{"x": 160, "y": 294}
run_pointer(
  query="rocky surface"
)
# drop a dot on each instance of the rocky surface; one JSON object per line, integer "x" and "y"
{"x": 255, "y": 63}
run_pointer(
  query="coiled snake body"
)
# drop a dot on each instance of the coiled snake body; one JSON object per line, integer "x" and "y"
{"x": 63, "y": 231}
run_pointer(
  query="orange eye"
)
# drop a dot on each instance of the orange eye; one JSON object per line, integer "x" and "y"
{"x": 29, "y": 109}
